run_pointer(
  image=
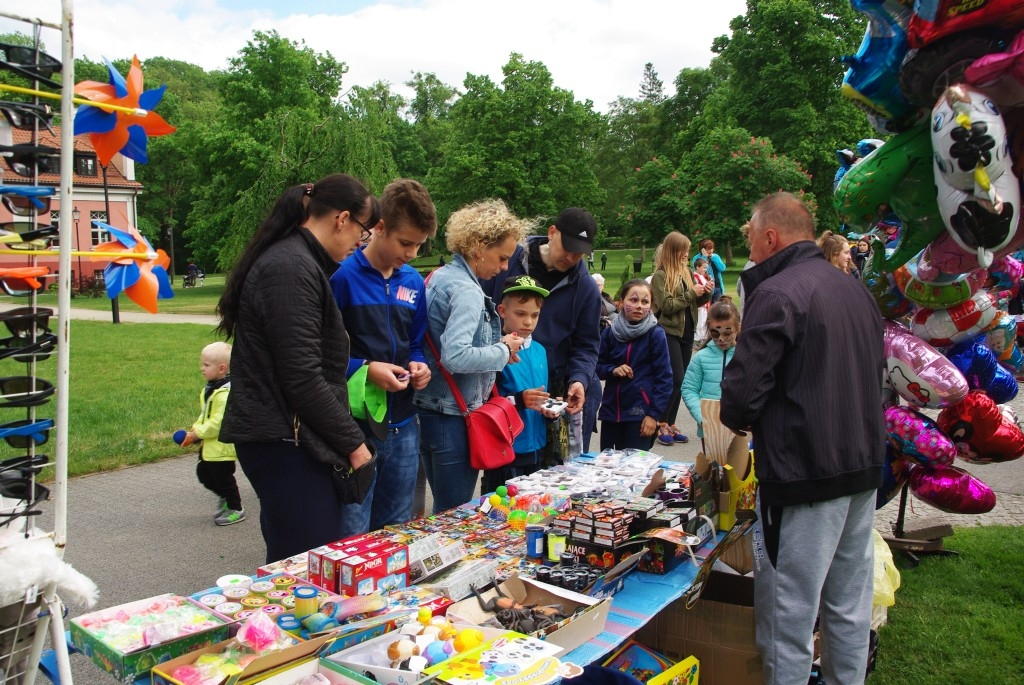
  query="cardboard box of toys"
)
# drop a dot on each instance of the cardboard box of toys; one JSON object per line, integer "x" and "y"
{"x": 652, "y": 668}
{"x": 383, "y": 567}
{"x": 508, "y": 658}
{"x": 126, "y": 656}
{"x": 728, "y": 465}
{"x": 381, "y": 659}
{"x": 583, "y": 617}
{"x": 718, "y": 626}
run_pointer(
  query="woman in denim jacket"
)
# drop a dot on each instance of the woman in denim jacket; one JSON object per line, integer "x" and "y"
{"x": 464, "y": 327}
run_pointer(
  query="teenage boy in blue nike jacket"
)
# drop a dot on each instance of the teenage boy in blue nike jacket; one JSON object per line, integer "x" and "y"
{"x": 383, "y": 302}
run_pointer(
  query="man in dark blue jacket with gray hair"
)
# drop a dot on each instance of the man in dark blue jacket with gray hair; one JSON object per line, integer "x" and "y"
{"x": 819, "y": 445}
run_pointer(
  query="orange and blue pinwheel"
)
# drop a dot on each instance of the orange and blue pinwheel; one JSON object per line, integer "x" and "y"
{"x": 118, "y": 131}
{"x": 143, "y": 280}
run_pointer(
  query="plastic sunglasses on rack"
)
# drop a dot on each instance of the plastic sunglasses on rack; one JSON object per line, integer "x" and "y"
{"x": 25, "y": 350}
{"x": 27, "y": 465}
{"x": 30, "y": 63}
{"x": 24, "y": 391}
{"x": 27, "y": 322}
{"x": 25, "y": 159}
{"x": 21, "y": 490}
{"x": 23, "y": 434}
{"x": 15, "y": 235}
{"x": 22, "y": 280}
{"x": 24, "y": 115}
{"x": 23, "y": 200}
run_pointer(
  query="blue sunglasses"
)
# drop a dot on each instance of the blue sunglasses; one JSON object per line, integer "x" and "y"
{"x": 23, "y": 434}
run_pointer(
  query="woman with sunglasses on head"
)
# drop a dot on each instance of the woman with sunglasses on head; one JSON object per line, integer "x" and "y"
{"x": 288, "y": 412}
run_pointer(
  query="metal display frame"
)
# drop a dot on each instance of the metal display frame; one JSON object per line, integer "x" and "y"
{"x": 24, "y": 625}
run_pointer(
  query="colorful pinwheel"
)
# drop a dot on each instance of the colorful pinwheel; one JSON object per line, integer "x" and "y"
{"x": 144, "y": 281}
{"x": 118, "y": 131}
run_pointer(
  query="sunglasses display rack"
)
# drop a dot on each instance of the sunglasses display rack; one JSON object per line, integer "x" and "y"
{"x": 29, "y": 614}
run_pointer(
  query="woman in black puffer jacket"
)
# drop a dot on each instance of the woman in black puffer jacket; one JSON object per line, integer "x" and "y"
{"x": 288, "y": 411}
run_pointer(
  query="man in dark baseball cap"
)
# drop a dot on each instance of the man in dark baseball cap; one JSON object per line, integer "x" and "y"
{"x": 578, "y": 230}
{"x": 570, "y": 323}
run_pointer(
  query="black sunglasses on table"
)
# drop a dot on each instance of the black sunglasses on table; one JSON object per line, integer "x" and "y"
{"x": 30, "y": 63}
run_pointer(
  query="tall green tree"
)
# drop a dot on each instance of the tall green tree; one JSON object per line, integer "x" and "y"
{"x": 711, "y": 192}
{"x": 429, "y": 111}
{"x": 526, "y": 141}
{"x": 784, "y": 83}
{"x": 273, "y": 73}
{"x": 282, "y": 125}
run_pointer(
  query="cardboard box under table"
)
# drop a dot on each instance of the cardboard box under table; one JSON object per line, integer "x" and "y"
{"x": 568, "y": 634}
{"x": 718, "y": 629}
{"x": 127, "y": 666}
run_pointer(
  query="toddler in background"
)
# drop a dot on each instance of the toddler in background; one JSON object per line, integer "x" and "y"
{"x": 216, "y": 467}
{"x": 634, "y": 363}
{"x": 703, "y": 379}
{"x": 700, "y": 328}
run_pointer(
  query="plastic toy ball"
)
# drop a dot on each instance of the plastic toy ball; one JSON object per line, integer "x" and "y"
{"x": 495, "y": 500}
{"x": 501, "y": 491}
{"x": 468, "y": 638}
{"x": 435, "y": 652}
{"x": 513, "y": 489}
{"x": 511, "y": 502}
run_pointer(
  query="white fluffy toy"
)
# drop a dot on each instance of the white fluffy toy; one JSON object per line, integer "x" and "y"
{"x": 33, "y": 562}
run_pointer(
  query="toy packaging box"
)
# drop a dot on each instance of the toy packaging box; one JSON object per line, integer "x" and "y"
{"x": 569, "y": 633}
{"x": 380, "y": 567}
{"x": 511, "y": 659}
{"x": 130, "y": 662}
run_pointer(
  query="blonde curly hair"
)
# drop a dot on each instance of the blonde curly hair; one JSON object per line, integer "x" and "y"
{"x": 486, "y": 222}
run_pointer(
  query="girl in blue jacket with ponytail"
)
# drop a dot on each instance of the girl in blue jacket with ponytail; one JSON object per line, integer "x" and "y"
{"x": 703, "y": 379}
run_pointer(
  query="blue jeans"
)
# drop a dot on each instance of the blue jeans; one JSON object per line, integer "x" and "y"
{"x": 391, "y": 495}
{"x": 444, "y": 451}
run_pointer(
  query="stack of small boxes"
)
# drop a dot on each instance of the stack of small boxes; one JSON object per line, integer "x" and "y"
{"x": 360, "y": 565}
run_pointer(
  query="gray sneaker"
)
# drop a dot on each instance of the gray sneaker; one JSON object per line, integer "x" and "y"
{"x": 222, "y": 508}
{"x": 230, "y": 516}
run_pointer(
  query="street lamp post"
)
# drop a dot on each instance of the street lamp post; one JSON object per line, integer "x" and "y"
{"x": 76, "y": 214}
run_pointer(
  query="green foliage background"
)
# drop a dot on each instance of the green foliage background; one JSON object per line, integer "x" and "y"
{"x": 765, "y": 114}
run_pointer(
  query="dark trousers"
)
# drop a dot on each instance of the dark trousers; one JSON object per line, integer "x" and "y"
{"x": 524, "y": 465}
{"x": 299, "y": 508}
{"x": 219, "y": 478}
{"x": 679, "y": 351}
{"x": 620, "y": 435}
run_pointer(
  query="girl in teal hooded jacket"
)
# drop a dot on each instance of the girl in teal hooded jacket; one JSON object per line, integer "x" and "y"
{"x": 703, "y": 379}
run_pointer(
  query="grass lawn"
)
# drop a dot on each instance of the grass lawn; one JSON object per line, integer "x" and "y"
{"x": 132, "y": 386}
{"x": 958, "y": 620}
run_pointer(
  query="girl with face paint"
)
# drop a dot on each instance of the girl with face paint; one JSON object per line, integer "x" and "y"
{"x": 634, "y": 363}
{"x": 703, "y": 379}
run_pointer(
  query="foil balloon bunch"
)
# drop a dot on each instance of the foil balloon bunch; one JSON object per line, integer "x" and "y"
{"x": 950, "y": 171}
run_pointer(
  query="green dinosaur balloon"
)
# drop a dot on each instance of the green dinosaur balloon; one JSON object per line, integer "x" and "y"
{"x": 900, "y": 175}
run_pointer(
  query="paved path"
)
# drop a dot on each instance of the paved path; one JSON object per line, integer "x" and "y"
{"x": 146, "y": 530}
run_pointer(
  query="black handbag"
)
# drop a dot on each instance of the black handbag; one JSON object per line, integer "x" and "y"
{"x": 351, "y": 485}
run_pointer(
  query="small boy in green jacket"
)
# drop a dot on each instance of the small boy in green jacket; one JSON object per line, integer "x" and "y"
{"x": 216, "y": 467}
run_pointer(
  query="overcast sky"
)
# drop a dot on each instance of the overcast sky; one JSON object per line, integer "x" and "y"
{"x": 595, "y": 48}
